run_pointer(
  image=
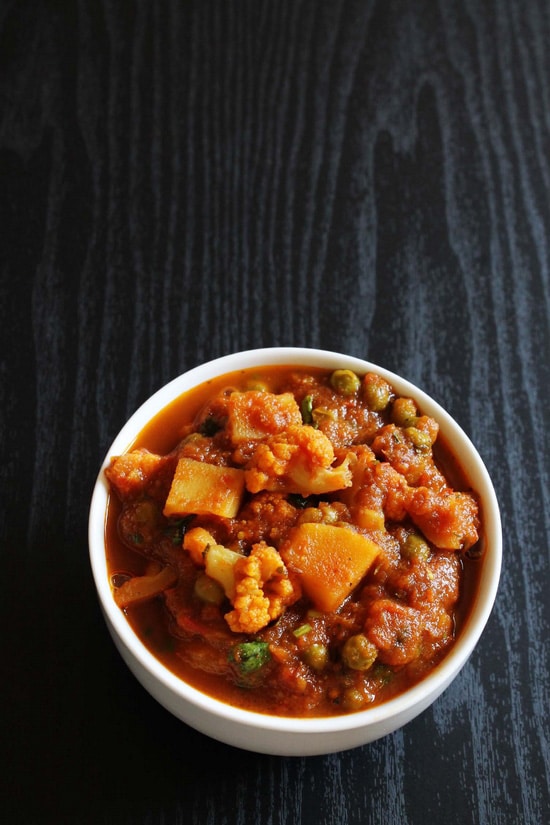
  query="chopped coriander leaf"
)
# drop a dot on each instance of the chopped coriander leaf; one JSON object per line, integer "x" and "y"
{"x": 250, "y": 656}
{"x": 301, "y": 502}
{"x": 176, "y": 529}
{"x": 306, "y": 408}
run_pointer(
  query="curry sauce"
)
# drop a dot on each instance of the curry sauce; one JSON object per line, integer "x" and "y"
{"x": 293, "y": 541}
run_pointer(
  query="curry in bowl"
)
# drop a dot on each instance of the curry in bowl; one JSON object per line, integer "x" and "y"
{"x": 293, "y": 541}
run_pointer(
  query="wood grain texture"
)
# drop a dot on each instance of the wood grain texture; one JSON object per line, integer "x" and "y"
{"x": 184, "y": 179}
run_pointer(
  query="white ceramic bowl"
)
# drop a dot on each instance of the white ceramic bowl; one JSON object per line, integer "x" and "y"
{"x": 271, "y": 734}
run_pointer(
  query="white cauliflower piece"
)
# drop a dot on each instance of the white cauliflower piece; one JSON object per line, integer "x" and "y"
{"x": 298, "y": 460}
{"x": 219, "y": 561}
{"x": 253, "y": 415}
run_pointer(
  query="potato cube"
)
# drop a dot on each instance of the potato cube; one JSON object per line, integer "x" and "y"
{"x": 330, "y": 560}
{"x": 201, "y": 488}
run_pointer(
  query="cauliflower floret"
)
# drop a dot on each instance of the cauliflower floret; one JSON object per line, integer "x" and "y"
{"x": 258, "y": 585}
{"x": 219, "y": 561}
{"x": 448, "y": 519}
{"x": 297, "y": 460}
{"x": 132, "y": 473}
{"x": 262, "y": 590}
{"x": 253, "y": 415}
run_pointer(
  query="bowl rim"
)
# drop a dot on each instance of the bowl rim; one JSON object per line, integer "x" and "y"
{"x": 436, "y": 680}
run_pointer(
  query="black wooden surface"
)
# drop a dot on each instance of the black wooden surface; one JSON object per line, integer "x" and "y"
{"x": 179, "y": 180}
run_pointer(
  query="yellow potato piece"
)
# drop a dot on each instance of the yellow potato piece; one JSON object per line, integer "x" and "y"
{"x": 330, "y": 560}
{"x": 204, "y": 489}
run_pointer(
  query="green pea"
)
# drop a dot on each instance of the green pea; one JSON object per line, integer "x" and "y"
{"x": 353, "y": 699}
{"x": 416, "y": 548}
{"x": 358, "y": 653}
{"x": 345, "y": 382}
{"x": 321, "y": 416}
{"x": 420, "y": 439}
{"x": 208, "y": 590}
{"x": 404, "y": 412}
{"x": 377, "y": 393}
{"x": 146, "y": 512}
{"x": 316, "y": 656}
{"x": 256, "y": 385}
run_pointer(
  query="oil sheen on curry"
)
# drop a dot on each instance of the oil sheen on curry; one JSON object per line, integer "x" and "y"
{"x": 293, "y": 541}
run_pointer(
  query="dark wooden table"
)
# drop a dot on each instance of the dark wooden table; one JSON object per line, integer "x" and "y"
{"x": 179, "y": 180}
